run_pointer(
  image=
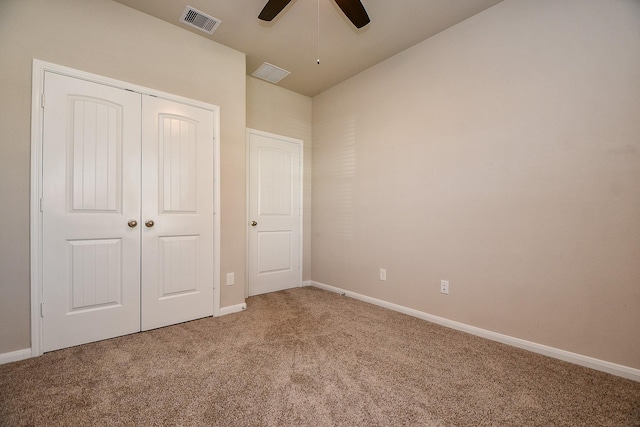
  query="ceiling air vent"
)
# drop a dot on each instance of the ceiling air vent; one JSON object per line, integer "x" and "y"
{"x": 202, "y": 21}
{"x": 270, "y": 73}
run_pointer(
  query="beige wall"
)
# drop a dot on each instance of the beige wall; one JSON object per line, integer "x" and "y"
{"x": 276, "y": 110}
{"x": 504, "y": 156}
{"x": 106, "y": 38}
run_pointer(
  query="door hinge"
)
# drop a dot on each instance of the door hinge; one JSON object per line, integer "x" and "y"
{"x": 42, "y": 100}
{"x": 41, "y": 209}
{"x": 42, "y": 309}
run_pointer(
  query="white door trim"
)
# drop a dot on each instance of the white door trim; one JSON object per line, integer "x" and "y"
{"x": 37, "y": 117}
{"x": 296, "y": 141}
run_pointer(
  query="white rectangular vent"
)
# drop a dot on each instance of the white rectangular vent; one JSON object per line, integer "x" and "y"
{"x": 270, "y": 73}
{"x": 199, "y": 20}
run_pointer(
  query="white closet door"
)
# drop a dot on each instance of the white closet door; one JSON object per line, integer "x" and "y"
{"x": 178, "y": 209}
{"x": 91, "y": 195}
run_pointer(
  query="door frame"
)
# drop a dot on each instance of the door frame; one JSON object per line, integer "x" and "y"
{"x": 37, "y": 127}
{"x": 300, "y": 143}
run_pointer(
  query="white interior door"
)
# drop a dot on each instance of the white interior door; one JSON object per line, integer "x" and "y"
{"x": 178, "y": 209}
{"x": 91, "y": 191}
{"x": 275, "y": 212}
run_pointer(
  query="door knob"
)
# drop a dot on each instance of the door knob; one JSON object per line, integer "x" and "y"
{"x": 149, "y": 223}
{"x": 132, "y": 223}
{"x": 253, "y": 223}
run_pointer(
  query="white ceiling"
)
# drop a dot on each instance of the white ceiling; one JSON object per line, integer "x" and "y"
{"x": 290, "y": 41}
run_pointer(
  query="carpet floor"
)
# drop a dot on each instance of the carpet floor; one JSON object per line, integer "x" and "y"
{"x": 307, "y": 357}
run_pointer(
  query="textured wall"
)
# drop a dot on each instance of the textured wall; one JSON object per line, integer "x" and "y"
{"x": 107, "y": 38}
{"x": 503, "y": 155}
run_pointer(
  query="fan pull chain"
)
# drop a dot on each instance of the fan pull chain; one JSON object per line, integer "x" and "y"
{"x": 318, "y": 60}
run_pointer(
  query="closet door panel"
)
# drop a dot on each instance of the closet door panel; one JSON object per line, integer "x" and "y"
{"x": 91, "y": 192}
{"x": 177, "y": 236}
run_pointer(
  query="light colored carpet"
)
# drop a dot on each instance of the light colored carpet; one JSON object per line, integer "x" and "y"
{"x": 307, "y": 357}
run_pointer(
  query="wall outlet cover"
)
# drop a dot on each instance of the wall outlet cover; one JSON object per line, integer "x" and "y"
{"x": 444, "y": 286}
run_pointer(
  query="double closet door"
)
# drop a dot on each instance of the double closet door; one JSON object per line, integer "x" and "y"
{"x": 127, "y": 212}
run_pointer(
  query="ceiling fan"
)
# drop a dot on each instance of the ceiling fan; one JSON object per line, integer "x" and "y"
{"x": 353, "y": 9}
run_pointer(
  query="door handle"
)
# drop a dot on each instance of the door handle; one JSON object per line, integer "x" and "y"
{"x": 253, "y": 223}
{"x": 132, "y": 223}
{"x": 149, "y": 223}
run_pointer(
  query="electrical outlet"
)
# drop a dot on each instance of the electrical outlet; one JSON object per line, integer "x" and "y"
{"x": 444, "y": 286}
{"x": 383, "y": 274}
{"x": 231, "y": 279}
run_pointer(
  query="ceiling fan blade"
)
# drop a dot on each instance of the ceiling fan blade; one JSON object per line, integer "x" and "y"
{"x": 272, "y": 9}
{"x": 354, "y": 10}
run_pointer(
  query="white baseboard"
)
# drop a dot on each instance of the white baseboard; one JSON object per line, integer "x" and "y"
{"x": 567, "y": 356}
{"x": 307, "y": 283}
{"x": 233, "y": 309}
{"x": 14, "y": 356}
